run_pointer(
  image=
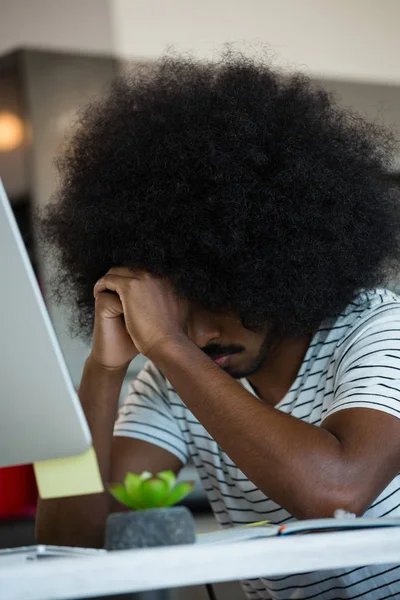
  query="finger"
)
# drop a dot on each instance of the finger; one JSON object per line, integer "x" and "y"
{"x": 111, "y": 283}
{"x": 123, "y": 272}
{"x": 109, "y": 303}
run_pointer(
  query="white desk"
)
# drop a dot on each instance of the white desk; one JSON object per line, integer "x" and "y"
{"x": 139, "y": 570}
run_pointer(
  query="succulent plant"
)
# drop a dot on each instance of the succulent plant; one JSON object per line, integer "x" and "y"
{"x": 144, "y": 491}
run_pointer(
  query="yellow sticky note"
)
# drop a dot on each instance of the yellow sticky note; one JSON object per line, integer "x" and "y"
{"x": 73, "y": 476}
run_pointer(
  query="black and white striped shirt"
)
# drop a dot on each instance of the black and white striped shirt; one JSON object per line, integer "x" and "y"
{"x": 351, "y": 362}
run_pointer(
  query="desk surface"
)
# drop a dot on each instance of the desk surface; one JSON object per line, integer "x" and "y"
{"x": 139, "y": 570}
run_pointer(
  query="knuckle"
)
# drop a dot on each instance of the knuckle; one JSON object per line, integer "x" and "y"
{"x": 131, "y": 283}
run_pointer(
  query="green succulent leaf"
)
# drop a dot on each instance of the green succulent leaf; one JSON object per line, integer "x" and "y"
{"x": 152, "y": 492}
{"x": 119, "y": 492}
{"x": 144, "y": 491}
{"x": 179, "y": 492}
{"x": 132, "y": 483}
{"x": 169, "y": 477}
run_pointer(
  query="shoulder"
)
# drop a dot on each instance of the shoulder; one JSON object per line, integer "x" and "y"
{"x": 371, "y": 327}
{"x": 371, "y": 310}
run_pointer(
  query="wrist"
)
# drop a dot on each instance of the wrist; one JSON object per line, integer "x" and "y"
{"x": 99, "y": 392}
{"x": 93, "y": 364}
{"x": 168, "y": 346}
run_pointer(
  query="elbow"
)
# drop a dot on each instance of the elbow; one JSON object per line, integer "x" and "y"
{"x": 46, "y": 536}
{"x": 47, "y": 533}
{"x": 53, "y": 537}
{"x": 324, "y": 505}
{"x": 53, "y": 528}
{"x": 45, "y": 529}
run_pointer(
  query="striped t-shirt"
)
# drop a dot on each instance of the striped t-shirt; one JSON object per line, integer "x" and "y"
{"x": 352, "y": 361}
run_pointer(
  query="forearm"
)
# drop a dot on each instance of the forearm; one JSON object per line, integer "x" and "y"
{"x": 80, "y": 520}
{"x": 299, "y": 466}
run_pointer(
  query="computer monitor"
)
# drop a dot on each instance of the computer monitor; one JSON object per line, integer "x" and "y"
{"x": 41, "y": 417}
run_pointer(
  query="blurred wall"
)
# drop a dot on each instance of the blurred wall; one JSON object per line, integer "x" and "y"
{"x": 70, "y": 25}
{"x": 336, "y": 39}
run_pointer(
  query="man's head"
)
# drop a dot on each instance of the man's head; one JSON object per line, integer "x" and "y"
{"x": 257, "y": 197}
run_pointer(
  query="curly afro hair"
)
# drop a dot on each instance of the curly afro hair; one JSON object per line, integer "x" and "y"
{"x": 251, "y": 192}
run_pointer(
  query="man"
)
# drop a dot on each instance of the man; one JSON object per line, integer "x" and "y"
{"x": 234, "y": 227}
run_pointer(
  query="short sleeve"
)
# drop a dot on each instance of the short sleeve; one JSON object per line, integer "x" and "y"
{"x": 368, "y": 365}
{"x": 147, "y": 415}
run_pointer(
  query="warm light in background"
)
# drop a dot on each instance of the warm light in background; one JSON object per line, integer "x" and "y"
{"x": 11, "y": 131}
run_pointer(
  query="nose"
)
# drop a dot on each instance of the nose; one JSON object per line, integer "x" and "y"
{"x": 203, "y": 328}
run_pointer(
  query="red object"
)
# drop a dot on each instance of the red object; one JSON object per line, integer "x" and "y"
{"x": 18, "y": 491}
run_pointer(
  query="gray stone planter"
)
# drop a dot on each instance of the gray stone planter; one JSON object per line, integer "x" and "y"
{"x": 150, "y": 528}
